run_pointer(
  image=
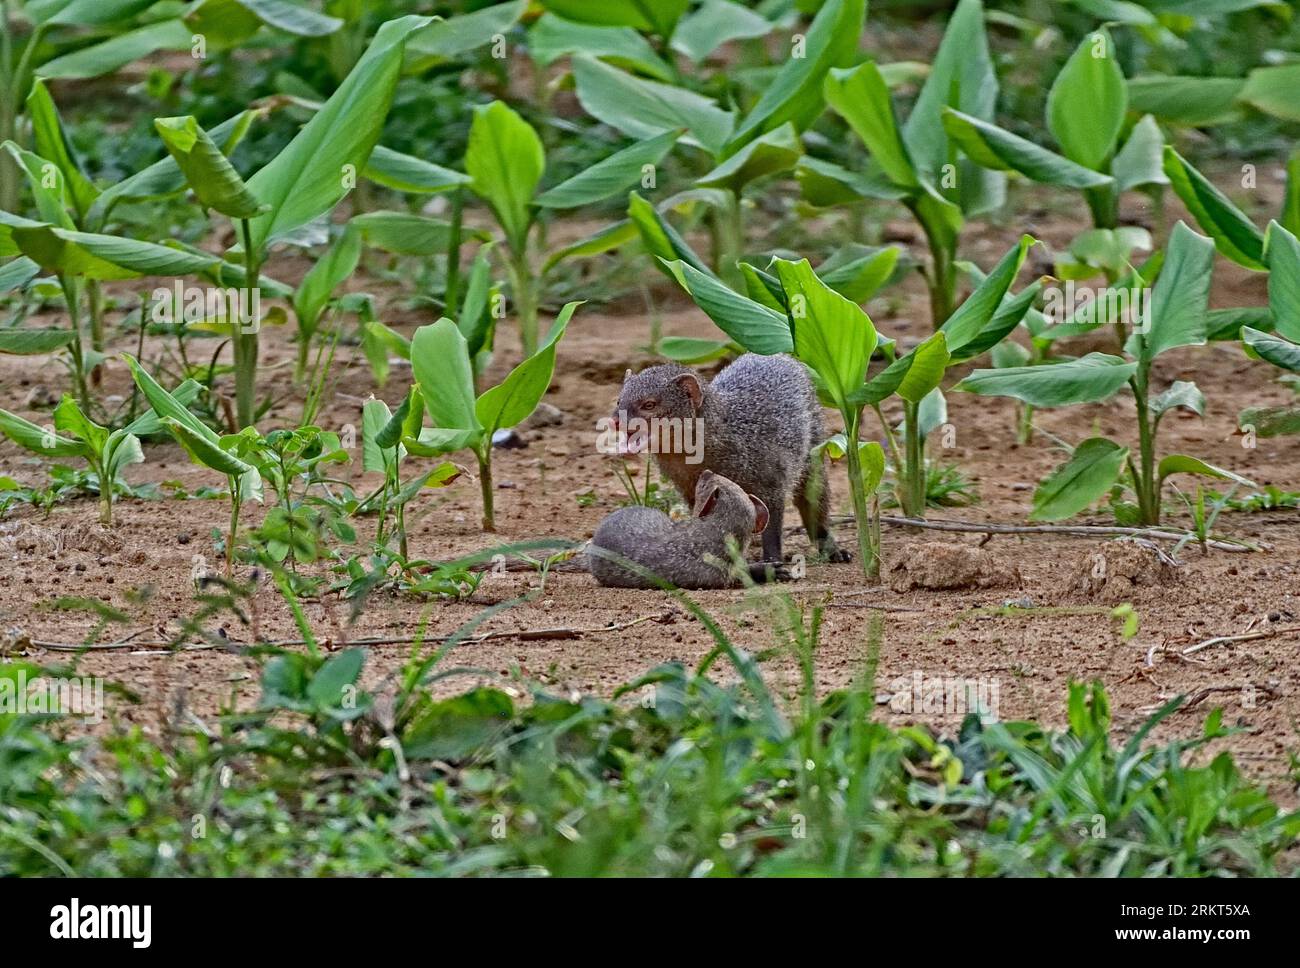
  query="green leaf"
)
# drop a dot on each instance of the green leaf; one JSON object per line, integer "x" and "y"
{"x": 310, "y": 175}
{"x": 1234, "y": 234}
{"x": 642, "y": 109}
{"x": 862, "y": 98}
{"x": 972, "y": 316}
{"x": 40, "y": 440}
{"x": 1282, "y": 252}
{"x": 406, "y": 173}
{"x": 686, "y": 349}
{"x": 1084, "y": 479}
{"x": 52, "y": 143}
{"x": 658, "y": 17}
{"x": 992, "y": 147}
{"x": 830, "y": 334}
{"x": 610, "y": 237}
{"x": 505, "y": 161}
{"x": 33, "y": 342}
{"x": 1191, "y": 101}
{"x": 441, "y": 366}
{"x": 209, "y": 173}
{"x": 94, "y": 256}
{"x": 1183, "y": 464}
{"x": 1270, "y": 421}
{"x": 826, "y": 185}
{"x": 751, "y": 324}
{"x": 776, "y": 151}
{"x": 376, "y": 418}
{"x": 404, "y": 233}
{"x": 512, "y": 400}
{"x": 450, "y": 37}
{"x": 1088, "y": 379}
{"x": 861, "y": 278}
{"x": 1180, "y": 298}
{"x": 454, "y": 729}
{"x": 292, "y": 18}
{"x": 1290, "y": 217}
{"x": 661, "y": 240}
{"x": 794, "y": 95}
{"x": 929, "y": 361}
{"x": 1276, "y": 350}
{"x": 1181, "y": 393}
{"x": 1087, "y": 101}
{"x": 1273, "y": 90}
{"x": 202, "y": 450}
{"x": 714, "y": 23}
{"x": 69, "y": 419}
{"x": 328, "y": 687}
{"x": 609, "y": 176}
{"x": 552, "y": 38}
{"x": 1140, "y": 162}
{"x": 103, "y": 58}
{"x": 121, "y": 451}
{"x": 85, "y": 13}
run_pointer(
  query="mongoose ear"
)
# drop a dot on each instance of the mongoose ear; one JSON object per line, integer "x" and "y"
{"x": 691, "y": 384}
{"x": 710, "y": 503}
{"x": 628, "y": 375}
{"x": 760, "y": 515}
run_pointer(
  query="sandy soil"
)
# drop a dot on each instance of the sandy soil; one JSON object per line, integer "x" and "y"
{"x": 951, "y": 632}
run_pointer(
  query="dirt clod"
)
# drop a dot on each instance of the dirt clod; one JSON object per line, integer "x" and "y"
{"x": 1112, "y": 572}
{"x": 935, "y": 565}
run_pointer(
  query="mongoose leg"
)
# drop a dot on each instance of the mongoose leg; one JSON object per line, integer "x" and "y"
{"x": 812, "y": 497}
{"x": 762, "y": 572}
{"x": 772, "y": 533}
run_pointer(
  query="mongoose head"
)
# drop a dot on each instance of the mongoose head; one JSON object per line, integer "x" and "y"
{"x": 669, "y": 391}
{"x": 722, "y": 500}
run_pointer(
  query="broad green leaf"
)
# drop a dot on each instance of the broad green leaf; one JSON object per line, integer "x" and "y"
{"x": 505, "y": 161}
{"x": 826, "y": 185}
{"x": 85, "y": 13}
{"x": 831, "y": 334}
{"x": 686, "y": 349}
{"x": 404, "y": 233}
{"x": 203, "y": 450}
{"x": 770, "y": 153}
{"x": 122, "y": 450}
{"x": 912, "y": 376}
{"x": 33, "y": 342}
{"x": 52, "y": 142}
{"x": 149, "y": 423}
{"x": 1226, "y": 324}
{"x": 754, "y": 326}
{"x": 375, "y": 418}
{"x": 329, "y": 686}
{"x": 661, "y": 240}
{"x": 1234, "y": 234}
{"x": 437, "y": 441}
{"x": 40, "y": 440}
{"x": 610, "y": 237}
{"x": 1097, "y": 376}
{"x": 312, "y": 173}
{"x": 1183, "y": 464}
{"x": 610, "y": 176}
{"x": 516, "y": 397}
{"x": 1087, "y": 101}
{"x": 441, "y": 365}
{"x": 714, "y": 23}
{"x": 17, "y": 273}
{"x": 862, "y": 98}
{"x": 993, "y": 147}
{"x": 1273, "y": 90}
{"x": 1120, "y": 11}
{"x": 794, "y": 95}
{"x": 1084, "y": 479}
{"x": 475, "y": 320}
{"x": 1282, "y": 251}
{"x": 452, "y": 36}
{"x": 1192, "y": 101}
{"x": 209, "y": 173}
{"x": 860, "y": 279}
{"x": 659, "y": 17}
{"x": 45, "y": 180}
{"x": 103, "y": 58}
{"x": 94, "y": 256}
{"x": 292, "y": 18}
{"x": 642, "y": 109}
{"x": 1270, "y": 421}
{"x": 69, "y": 419}
{"x": 1180, "y": 298}
{"x": 1181, "y": 393}
{"x": 552, "y": 38}
{"x": 972, "y": 316}
{"x": 1276, "y": 350}
{"x": 1013, "y": 311}
{"x": 1140, "y": 161}
{"x": 1290, "y": 217}
{"x": 406, "y": 173}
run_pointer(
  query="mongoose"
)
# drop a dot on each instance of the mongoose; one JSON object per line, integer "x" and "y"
{"x": 688, "y": 554}
{"x": 760, "y": 419}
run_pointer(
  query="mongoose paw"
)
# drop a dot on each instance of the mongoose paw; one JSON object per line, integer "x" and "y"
{"x": 769, "y": 571}
{"x": 835, "y": 555}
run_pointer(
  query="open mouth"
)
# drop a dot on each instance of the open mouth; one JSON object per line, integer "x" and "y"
{"x": 633, "y": 443}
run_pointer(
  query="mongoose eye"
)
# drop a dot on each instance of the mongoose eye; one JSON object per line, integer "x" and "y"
{"x": 649, "y": 404}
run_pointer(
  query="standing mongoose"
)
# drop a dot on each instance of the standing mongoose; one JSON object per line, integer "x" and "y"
{"x": 759, "y": 420}
{"x": 688, "y": 554}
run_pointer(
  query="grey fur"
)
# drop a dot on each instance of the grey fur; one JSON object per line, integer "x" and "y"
{"x": 761, "y": 419}
{"x": 688, "y": 554}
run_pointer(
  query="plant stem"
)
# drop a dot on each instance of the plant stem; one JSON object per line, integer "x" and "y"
{"x": 485, "y": 484}
{"x": 942, "y": 279}
{"x": 234, "y": 525}
{"x": 524, "y": 285}
{"x": 105, "y": 497}
{"x": 451, "y": 294}
{"x": 868, "y": 539}
{"x": 912, "y": 474}
{"x": 1145, "y": 483}
{"x": 72, "y": 296}
{"x": 8, "y": 112}
{"x": 246, "y": 349}
{"x": 1025, "y": 432}
{"x": 731, "y": 241}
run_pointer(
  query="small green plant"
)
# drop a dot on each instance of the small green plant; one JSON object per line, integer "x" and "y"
{"x": 107, "y": 452}
{"x": 1177, "y": 316}
{"x": 463, "y": 419}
